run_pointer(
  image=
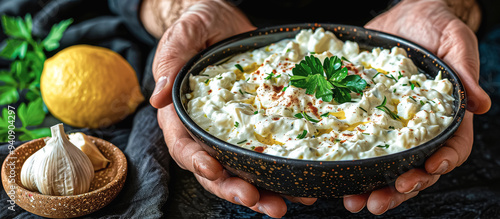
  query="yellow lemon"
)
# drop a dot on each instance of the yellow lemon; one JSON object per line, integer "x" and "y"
{"x": 89, "y": 86}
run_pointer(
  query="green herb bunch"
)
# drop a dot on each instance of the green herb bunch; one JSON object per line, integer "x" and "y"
{"x": 27, "y": 54}
{"x": 328, "y": 80}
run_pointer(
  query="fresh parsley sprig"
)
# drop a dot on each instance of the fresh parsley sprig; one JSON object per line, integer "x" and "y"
{"x": 30, "y": 115}
{"x": 387, "y": 110}
{"x": 310, "y": 75}
{"x": 306, "y": 116}
{"x": 27, "y": 55}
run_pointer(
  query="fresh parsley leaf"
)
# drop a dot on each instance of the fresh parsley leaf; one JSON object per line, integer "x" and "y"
{"x": 383, "y": 146}
{"x": 387, "y": 110}
{"x": 303, "y": 135}
{"x": 14, "y": 48}
{"x": 310, "y": 75}
{"x": 33, "y": 114}
{"x": 241, "y": 142}
{"x": 7, "y": 78}
{"x": 16, "y": 27}
{"x": 8, "y": 94}
{"x": 236, "y": 124}
{"x": 38, "y": 133}
{"x": 325, "y": 114}
{"x": 238, "y": 66}
{"x": 51, "y": 42}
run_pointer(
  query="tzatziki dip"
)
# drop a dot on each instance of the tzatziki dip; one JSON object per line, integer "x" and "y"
{"x": 315, "y": 97}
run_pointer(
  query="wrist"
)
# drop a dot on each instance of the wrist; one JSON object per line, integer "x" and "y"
{"x": 158, "y": 15}
{"x": 468, "y": 11}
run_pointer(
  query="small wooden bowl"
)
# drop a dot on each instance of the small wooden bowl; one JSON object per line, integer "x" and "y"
{"x": 105, "y": 186}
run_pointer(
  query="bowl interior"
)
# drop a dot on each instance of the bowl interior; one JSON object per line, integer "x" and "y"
{"x": 367, "y": 40}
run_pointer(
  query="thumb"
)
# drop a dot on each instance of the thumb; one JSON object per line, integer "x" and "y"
{"x": 201, "y": 25}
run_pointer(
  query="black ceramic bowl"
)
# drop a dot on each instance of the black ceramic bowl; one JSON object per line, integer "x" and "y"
{"x": 307, "y": 178}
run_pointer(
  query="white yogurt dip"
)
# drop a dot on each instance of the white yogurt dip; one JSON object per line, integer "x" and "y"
{"x": 258, "y": 110}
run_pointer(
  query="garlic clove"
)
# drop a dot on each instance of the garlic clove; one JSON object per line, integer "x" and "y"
{"x": 58, "y": 168}
{"x": 83, "y": 142}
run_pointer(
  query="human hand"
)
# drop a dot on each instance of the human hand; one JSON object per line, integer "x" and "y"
{"x": 432, "y": 24}
{"x": 202, "y": 25}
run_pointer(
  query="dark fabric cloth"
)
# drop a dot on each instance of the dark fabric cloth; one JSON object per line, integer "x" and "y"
{"x": 470, "y": 191}
{"x": 138, "y": 136}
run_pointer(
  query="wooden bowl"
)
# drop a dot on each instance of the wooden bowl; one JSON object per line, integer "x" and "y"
{"x": 315, "y": 178}
{"x": 107, "y": 183}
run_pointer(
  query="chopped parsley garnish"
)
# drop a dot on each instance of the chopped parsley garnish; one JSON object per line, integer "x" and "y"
{"x": 391, "y": 127}
{"x": 412, "y": 98}
{"x": 236, "y": 124}
{"x": 387, "y": 110}
{"x": 241, "y": 142}
{"x": 383, "y": 146}
{"x": 284, "y": 88}
{"x": 238, "y": 66}
{"x": 303, "y": 135}
{"x": 412, "y": 85}
{"x": 241, "y": 92}
{"x": 208, "y": 80}
{"x": 422, "y": 103}
{"x": 310, "y": 75}
{"x": 307, "y": 117}
{"x": 253, "y": 147}
{"x": 392, "y": 77}
{"x": 366, "y": 133}
{"x": 362, "y": 109}
{"x": 325, "y": 114}
{"x": 255, "y": 112}
{"x": 269, "y": 76}
{"x": 345, "y": 59}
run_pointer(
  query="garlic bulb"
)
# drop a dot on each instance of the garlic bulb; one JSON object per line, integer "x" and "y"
{"x": 58, "y": 168}
{"x": 83, "y": 142}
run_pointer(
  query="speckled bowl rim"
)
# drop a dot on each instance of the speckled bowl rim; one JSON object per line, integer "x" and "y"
{"x": 120, "y": 172}
{"x": 187, "y": 121}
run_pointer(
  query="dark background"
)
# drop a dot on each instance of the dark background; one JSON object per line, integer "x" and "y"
{"x": 156, "y": 187}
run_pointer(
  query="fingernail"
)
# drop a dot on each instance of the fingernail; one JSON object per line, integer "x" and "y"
{"x": 392, "y": 204}
{"x": 263, "y": 210}
{"x": 442, "y": 168}
{"x": 237, "y": 200}
{"x": 160, "y": 84}
{"x": 415, "y": 188}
